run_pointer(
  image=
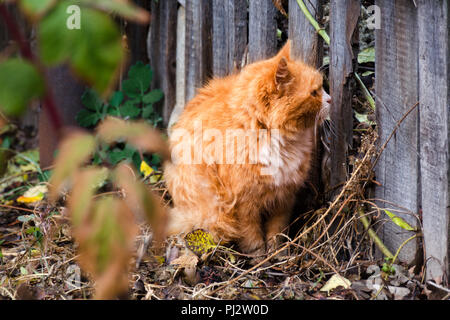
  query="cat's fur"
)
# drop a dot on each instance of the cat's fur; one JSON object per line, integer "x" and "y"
{"x": 236, "y": 202}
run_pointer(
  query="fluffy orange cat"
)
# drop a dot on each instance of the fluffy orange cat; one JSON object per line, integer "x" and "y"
{"x": 242, "y": 148}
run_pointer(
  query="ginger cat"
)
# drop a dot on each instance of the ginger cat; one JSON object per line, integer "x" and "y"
{"x": 242, "y": 148}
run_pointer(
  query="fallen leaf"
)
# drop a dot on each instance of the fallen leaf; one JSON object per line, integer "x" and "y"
{"x": 33, "y": 195}
{"x": 147, "y": 171}
{"x": 189, "y": 263}
{"x": 199, "y": 241}
{"x": 334, "y": 282}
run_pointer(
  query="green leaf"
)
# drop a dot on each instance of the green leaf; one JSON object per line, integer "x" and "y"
{"x": 118, "y": 155}
{"x": 94, "y": 51}
{"x": 399, "y": 221}
{"x": 113, "y": 112}
{"x": 87, "y": 119}
{"x": 367, "y": 55}
{"x": 156, "y": 159}
{"x": 91, "y": 100}
{"x": 147, "y": 111}
{"x": 130, "y": 110}
{"x": 368, "y": 73}
{"x": 36, "y": 8}
{"x": 138, "y": 82}
{"x": 26, "y": 218}
{"x": 153, "y": 96}
{"x": 363, "y": 118}
{"x": 20, "y": 83}
{"x": 116, "y": 99}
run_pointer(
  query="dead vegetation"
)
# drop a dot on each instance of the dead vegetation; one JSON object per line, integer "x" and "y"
{"x": 332, "y": 256}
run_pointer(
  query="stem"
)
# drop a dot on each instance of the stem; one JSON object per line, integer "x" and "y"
{"x": 313, "y": 21}
{"x": 326, "y": 38}
{"x": 26, "y": 52}
{"x": 373, "y": 235}
{"x": 401, "y": 247}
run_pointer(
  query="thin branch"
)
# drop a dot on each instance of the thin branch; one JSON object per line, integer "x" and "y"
{"x": 373, "y": 235}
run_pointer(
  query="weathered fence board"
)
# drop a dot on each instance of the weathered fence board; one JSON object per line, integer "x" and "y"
{"x": 162, "y": 52}
{"x": 396, "y": 89}
{"x": 229, "y": 35}
{"x": 306, "y": 44}
{"x": 434, "y": 86}
{"x": 262, "y": 37}
{"x": 180, "y": 67}
{"x": 67, "y": 92}
{"x": 137, "y": 36}
{"x": 198, "y": 55}
{"x": 344, "y": 17}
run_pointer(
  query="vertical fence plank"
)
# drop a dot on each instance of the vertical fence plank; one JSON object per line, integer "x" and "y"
{"x": 137, "y": 36}
{"x": 397, "y": 92}
{"x": 434, "y": 84}
{"x": 198, "y": 55}
{"x": 344, "y": 17}
{"x": 180, "y": 66}
{"x": 162, "y": 52}
{"x": 67, "y": 92}
{"x": 229, "y": 35}
{"x": 306, "y": 44}
{"x": 262, "y": 30}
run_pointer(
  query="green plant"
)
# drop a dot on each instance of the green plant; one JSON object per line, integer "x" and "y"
{"x": 134, "y": 101}
{"x": 105, "y": 251}
{"x": 104, "y": 226}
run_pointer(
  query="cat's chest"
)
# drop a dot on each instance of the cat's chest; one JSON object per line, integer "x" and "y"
{"x": 287, "y": 160}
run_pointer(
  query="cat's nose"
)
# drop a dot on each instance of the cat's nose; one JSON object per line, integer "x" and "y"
{"x": 326, "y": 96}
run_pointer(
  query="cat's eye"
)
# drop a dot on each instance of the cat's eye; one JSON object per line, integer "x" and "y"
{"x": 316, "y": 93}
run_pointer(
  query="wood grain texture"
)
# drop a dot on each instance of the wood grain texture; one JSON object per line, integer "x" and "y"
{"x": 306, "y": 44}
{"x": 137, "y": 37}
{"x": 229, "y": 35}
{"x": 262, "y": 30}
{"x": 162, "y": 52}
{"x": 343, "y": 34}
{"x": 67, "y": 92}
{"x": 198, "y": 54}
{"x": 434, "y": 86}
{"x": 396, "y": 92}
{"x": 180, "y": 67}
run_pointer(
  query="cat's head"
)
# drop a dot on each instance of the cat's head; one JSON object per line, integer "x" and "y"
{"x": 291, "y": 93}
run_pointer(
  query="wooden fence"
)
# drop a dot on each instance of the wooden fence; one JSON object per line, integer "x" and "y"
{"x": 191, "y": 40}
{"x": 412, "y": 66}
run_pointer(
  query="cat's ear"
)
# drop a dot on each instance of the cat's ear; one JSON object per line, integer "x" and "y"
{"x": 285, "y": 52}
{"x": 283, "y": 76}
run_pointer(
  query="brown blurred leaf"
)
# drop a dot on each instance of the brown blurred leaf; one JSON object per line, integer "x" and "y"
{"x": 141, "y": 200}
{"x": 105, "y": 241}
{"x": 138, "y": 133}
{"x": 73, "y": 151}
{"x": 86, "y": 181}
{"x": 124, "y": 8}
{"x": 279, "y": 5}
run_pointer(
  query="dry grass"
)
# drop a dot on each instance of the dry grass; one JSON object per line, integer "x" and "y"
{"x": 330, "y": 241}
